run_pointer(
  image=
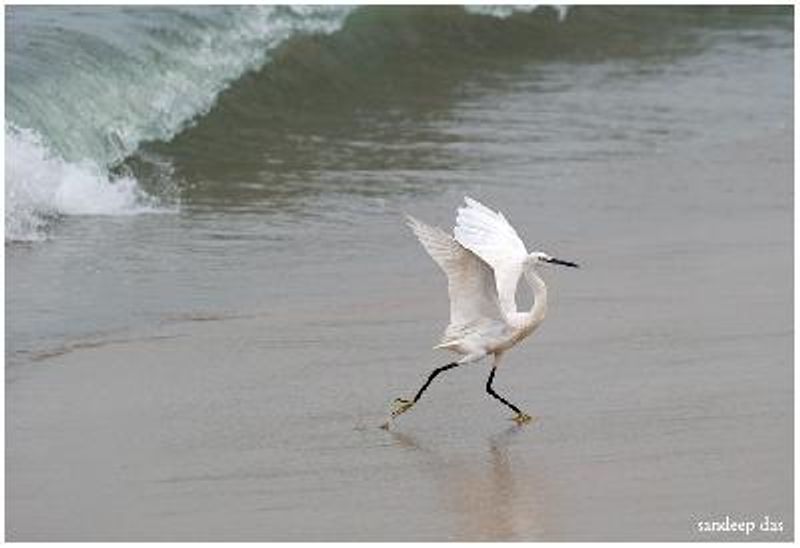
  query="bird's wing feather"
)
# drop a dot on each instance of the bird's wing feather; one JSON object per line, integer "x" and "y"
{"x": 471, "y": 283}
{"x": 489, "y": 235}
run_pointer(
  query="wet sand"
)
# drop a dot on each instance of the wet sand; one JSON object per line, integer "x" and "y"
{"x": 662, "y": 380}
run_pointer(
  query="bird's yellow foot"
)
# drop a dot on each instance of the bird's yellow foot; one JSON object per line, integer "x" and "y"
{"x": 522, "y": 418}
{"x": 400, "y": 406}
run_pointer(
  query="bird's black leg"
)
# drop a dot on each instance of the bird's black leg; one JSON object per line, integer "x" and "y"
{"x": 494, "y": 394}
{"x": 433, "y": 376}
{"x": 521, "y": 417}
{"x": 401, "y": 405}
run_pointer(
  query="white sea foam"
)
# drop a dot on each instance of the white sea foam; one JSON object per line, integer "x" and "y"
{"x": 506, "y": 11}
{"x": 40, "y": 187}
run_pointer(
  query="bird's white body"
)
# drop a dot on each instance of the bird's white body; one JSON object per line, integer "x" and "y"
{"x": 484, "y": 261}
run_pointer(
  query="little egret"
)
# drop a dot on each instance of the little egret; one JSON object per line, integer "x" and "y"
{"x": 483, "y": 261}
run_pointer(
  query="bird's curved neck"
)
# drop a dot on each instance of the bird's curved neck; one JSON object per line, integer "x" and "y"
{"x": 539, "y": 308}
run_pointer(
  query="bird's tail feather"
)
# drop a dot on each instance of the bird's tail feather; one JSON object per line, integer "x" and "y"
{"x": 445, "y": 345}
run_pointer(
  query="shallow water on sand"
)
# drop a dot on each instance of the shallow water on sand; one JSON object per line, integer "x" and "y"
{"x": 220, "y": 373}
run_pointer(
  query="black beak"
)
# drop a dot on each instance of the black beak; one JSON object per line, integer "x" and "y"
{"x": 563, "y": 263}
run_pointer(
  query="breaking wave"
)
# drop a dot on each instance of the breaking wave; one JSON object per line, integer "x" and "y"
{"x": 90, "y": 91}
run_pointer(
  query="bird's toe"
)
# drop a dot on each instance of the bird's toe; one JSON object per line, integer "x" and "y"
{"x": 401, "y": 406}
{"x": 523, "y": 418}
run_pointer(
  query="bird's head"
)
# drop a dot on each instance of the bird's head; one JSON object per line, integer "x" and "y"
{"x": 539, "y": 257}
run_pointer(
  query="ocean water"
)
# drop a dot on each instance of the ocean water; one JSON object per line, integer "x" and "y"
{"x": 174, "y": 172}
{"x": 147, "y": 149}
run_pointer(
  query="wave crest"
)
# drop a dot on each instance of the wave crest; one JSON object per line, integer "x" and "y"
{"x": 40, "y": 187}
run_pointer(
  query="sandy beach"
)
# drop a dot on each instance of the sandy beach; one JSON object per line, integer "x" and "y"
{"x": 662, "y": 382}
{"x": 212, "y": 298}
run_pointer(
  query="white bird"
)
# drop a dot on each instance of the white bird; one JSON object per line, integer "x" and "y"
{"x": 483, "y": 261}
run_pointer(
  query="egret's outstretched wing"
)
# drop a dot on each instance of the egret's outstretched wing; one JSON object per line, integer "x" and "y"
{"x": 487, "y": 234}
{"x": 470, "y": 281}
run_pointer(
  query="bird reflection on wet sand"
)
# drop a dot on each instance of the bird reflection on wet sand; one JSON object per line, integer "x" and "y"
{"x": 494, "y": 496}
